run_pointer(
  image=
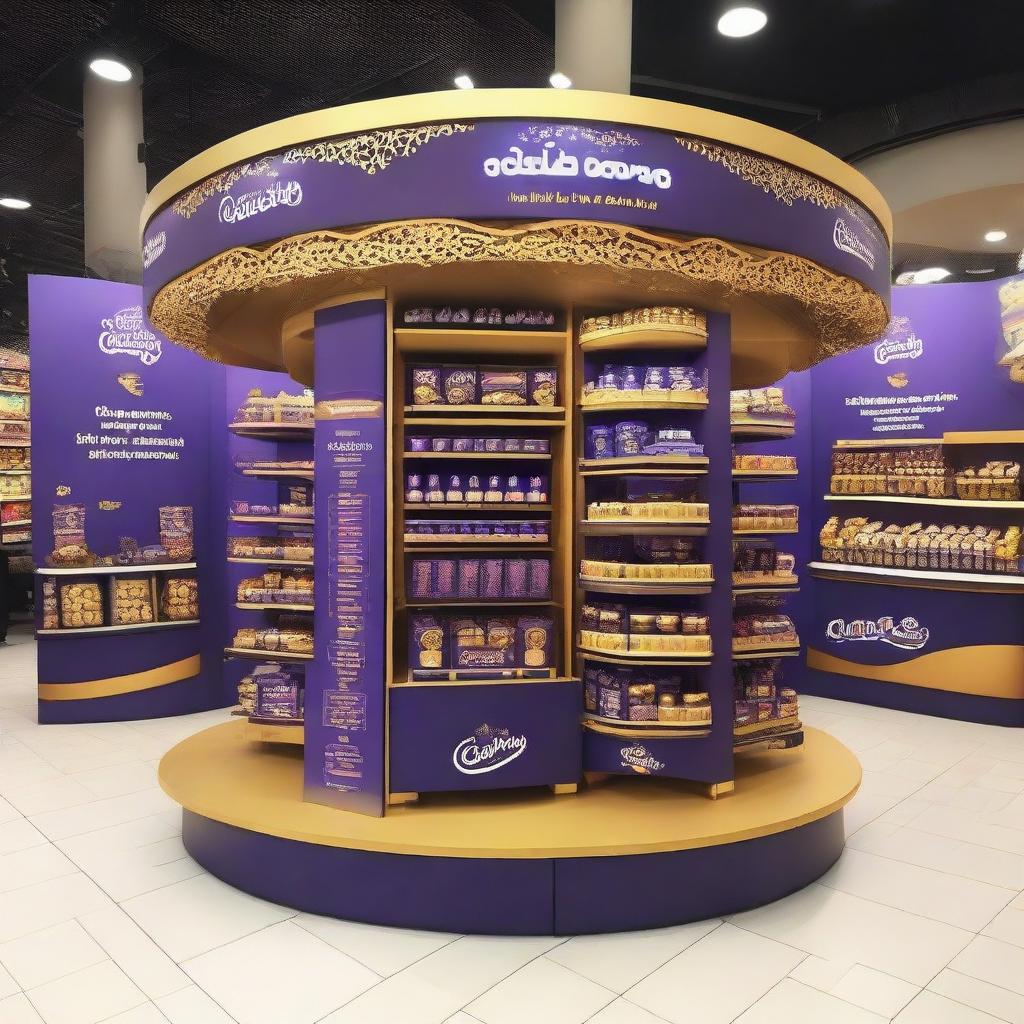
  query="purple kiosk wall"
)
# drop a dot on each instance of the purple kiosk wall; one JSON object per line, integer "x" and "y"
{"x": 120, "y": 427}
{"x": 937, "y": 370}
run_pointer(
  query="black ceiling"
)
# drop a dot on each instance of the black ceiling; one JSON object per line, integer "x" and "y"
{"x": 855, "y": 76}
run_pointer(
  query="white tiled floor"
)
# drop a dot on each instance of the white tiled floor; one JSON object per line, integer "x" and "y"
{"x": 104, "y": 917}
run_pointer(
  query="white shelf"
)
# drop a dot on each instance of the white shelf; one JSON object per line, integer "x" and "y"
{"x": 133, "y": 628}
{"x": 906, "y": 499}
{"x": 986, "y": 582}
{"x": 116, "y": 570}
{"x": 271, "y": 561}
{"x": 17, "y": 497}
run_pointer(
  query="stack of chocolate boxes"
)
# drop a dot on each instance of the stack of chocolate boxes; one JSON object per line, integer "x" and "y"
{"x": 474, "y": 490}
{"x": 915, "y": 472}
{"x": 758, "y": 561}
{"x": 485, "y": 578}
{"x": 623, "y": 384}
{"x": 272, "y": 692}
{"x": 760, "y": 698}
{"x": 760, "y": 630}
{"x": 526, "y": 530}
{"x": 479, "y": 385}
{"x": 638, "y": 695}
{"x": 615, "y": 628}
{"x": 446, "y": 646}
{"x": 485, "y": 445}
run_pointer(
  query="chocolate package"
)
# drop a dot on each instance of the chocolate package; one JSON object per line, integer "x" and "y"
{"x": 542, "y": 386}
{"x": 81, "y": 605}
{"x": 176, "y": 532}
{"x": 458, "y": 385}
{"x": 426, "y": 642}
{"x": 179, "y": 599}
{"x": 133, "y": 601}
{"x": 69, "y": 546}
{"x": 50, "y": 616}
{"x": 534, "y": 638}
{"x": 503, "y": 387}
{"x": 426, "y": 385}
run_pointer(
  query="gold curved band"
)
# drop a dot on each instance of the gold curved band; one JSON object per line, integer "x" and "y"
{"x": 114, "y": 686}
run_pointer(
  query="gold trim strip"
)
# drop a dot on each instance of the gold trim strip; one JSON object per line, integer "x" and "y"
{"x": 981, "y": 670}
{"x": 113, "y": 686}
{"x": 523, "y": 104}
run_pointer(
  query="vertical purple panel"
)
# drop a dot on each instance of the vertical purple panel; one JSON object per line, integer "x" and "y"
{"x": 120, "y": 418}
{"x": 345, "y": 684}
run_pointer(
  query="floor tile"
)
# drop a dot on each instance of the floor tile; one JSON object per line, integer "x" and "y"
{"x": 196, "y": 915}
{"x": 880, "y": 993}
{"x": 401, "y": 998}
{"x": 622, "y": 1011}
{"x": 384, "y": 950}
{"x": 49, "y": 954}
{"x": 929, "y": 1008}
{"x": 87, "y": 996}
{"x": 8, "y": 812}
{"x": 47, "y": 903}
{"x": 305, "y": 977}
{"x": 789, "y": 1002}
{"x": 73, "y": 821}
{"x": 542, "y": 992}
{"x": 959, "y": 901}
{"x": 970, "y": 827}
{"x": 32, "y": 865}
{"x": 118, "y": 780}
{"x": 716, "y": 978}
{"x": 8, "y": 986}
{"x": 618, "y": 961}
{"x": 192, "y": 1006}
{"x": 19, "y": 834}
{"x": 50, "y": 795}
{"x": 17, "y": 1009}
{"x": 993, "y": 961}
{"x": 148, "y": 966}
{"x": 981, "y": 995}
{"x": 147, "y": 1013}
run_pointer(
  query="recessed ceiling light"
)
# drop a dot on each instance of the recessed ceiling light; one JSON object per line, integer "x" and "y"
{"x": 996, "y": 235}
{"x": 928, "y": 275}
{"x": 560, "y": 81}
{"x": 112, "y": 70}
{"x": 463, "y": 81}
{"x": 14, "y": 204}
{"x": 742, "y": 21}
{"x": 983, "y": 270}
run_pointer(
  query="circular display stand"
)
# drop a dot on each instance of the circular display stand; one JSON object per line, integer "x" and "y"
{"x": 628, "y": 853}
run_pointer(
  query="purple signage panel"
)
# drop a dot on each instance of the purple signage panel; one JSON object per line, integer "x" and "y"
{"x": 519, "y": 170}
{"x": 345, "y": 684}
{"x": 120, "y": 420}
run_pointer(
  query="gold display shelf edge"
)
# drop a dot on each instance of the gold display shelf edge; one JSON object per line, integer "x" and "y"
{"x": 641, "y": 405}
{"x": 613, "y": 586}
{"x": 658, "y": 730}
{"x": 113, "y": 570}
{"x": 651, "y": 335}
{"x": 397, "y": 684}
{"x": 907, "y": 499}
{"x": 478, "y": 456}
{"x": 503, "y": 410}
{"x": 270, "y": 561}
{"x": 259, "y": 732}
{"x": 929, "y": 579}
{"x": 261, "y": 655}
{"x": 700, "y": 660}
{"x": 129, "y": 627}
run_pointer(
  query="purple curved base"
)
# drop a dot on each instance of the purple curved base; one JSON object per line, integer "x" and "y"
{"x": 497, "y": 896}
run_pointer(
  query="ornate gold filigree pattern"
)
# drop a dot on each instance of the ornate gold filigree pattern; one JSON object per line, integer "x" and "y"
{"x": 189, "y": 202}
{"x": 782, "y": 181}
{"x": 844, "y": 312}
{"x": 373, "y": 151}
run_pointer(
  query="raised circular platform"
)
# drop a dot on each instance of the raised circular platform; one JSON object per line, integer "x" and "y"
{"x": 629, "y": 853}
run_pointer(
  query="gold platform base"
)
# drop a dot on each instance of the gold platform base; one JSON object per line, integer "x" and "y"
{"x": 221, "y": 775}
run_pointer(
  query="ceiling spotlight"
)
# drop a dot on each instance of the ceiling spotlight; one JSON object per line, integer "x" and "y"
{"x": 560, "y": 81}
{"x": 982, "y": 270}
{"x": 463, "y": 81}
{"x": 995, "y": 235}
{"x": 14, "y": 204}
{"x": 112, "y": 70}
{"x": 742, "y": 21}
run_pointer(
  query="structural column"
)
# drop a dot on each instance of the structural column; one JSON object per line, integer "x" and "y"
{"x": 594, "y": 43}
{"x": 115, "y": 177}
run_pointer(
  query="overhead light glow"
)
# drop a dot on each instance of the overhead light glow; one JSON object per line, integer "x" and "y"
{"x": 996, "y": 235}
{"x": 742, "y": 21}
{"x": 112, "y": 70}
{"x": 982, "y": 270}
{"x": 463, "y": 82}
{"x": 928, "y": 275}
{"x": 560, "y": 81}
{"x": 14, "y": 204}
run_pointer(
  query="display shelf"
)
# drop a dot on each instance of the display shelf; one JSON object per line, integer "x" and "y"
{"x": 110, "y": 630}
{"x": 289, "y": 474}
{"x": 15, "y": 442}
{"x": 769, "y": 583}
{"x": 404, "y": 684}
{"x": 758, "y": 653}
{"x": 17, "y": 497}
{"x": 745, "y": 591}
{"x": 277, "y": 520}
{"x": 422, "y": 541}
{"x": 275, "y": 730}
{"x": 645, "y": 657}
{"x": 906, "y": 499}
{"x": 116, "y": 570}
{"x": 643, "y": 336}
{"x": 416, "y": 411}
{"x": 983, "y": 437}
{"x": 743, "y": 476}
{"x": 753, "y": 429}
{"x": 642, "y": 528}
{"x": 766, "y": 532}
{"x": 8, "y": 389}
{"x": 476, "y": 506}
{"x": 250, "y": 654}
{"x": 273, "y": 431}
{"x": 474, "y": 340}
{"x": 481, "y": 456}
{"x": 679, "y": 463}
{"x": 927, "y": 579}
{"x": 651, "y": 588}
{"x": 270, "y": 561}
{"x": 15, "y": 472}
{"x": 272, "y": 606}
{"x": 657, "y": 730}
{"x": 483, "y": 603}
{"x": 430, "y": 419}
{"x": 17, "y": 524}
{"x": 647, "y": 405}
{"x": 22, "y": 422}
{"x": 887, "y": 442}
{"x": 783, "y": 733}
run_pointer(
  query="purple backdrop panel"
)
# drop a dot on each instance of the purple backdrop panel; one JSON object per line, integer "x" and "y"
{"x": 601, "y": 894}
{"x": 485, "y": 736}
{"x": 120, "y": 418}
{"x": 697, "y": 759}
{"x": 512, "y": 169}
{"x": 345, "y": 684}
{"x": 465, "y": 895}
